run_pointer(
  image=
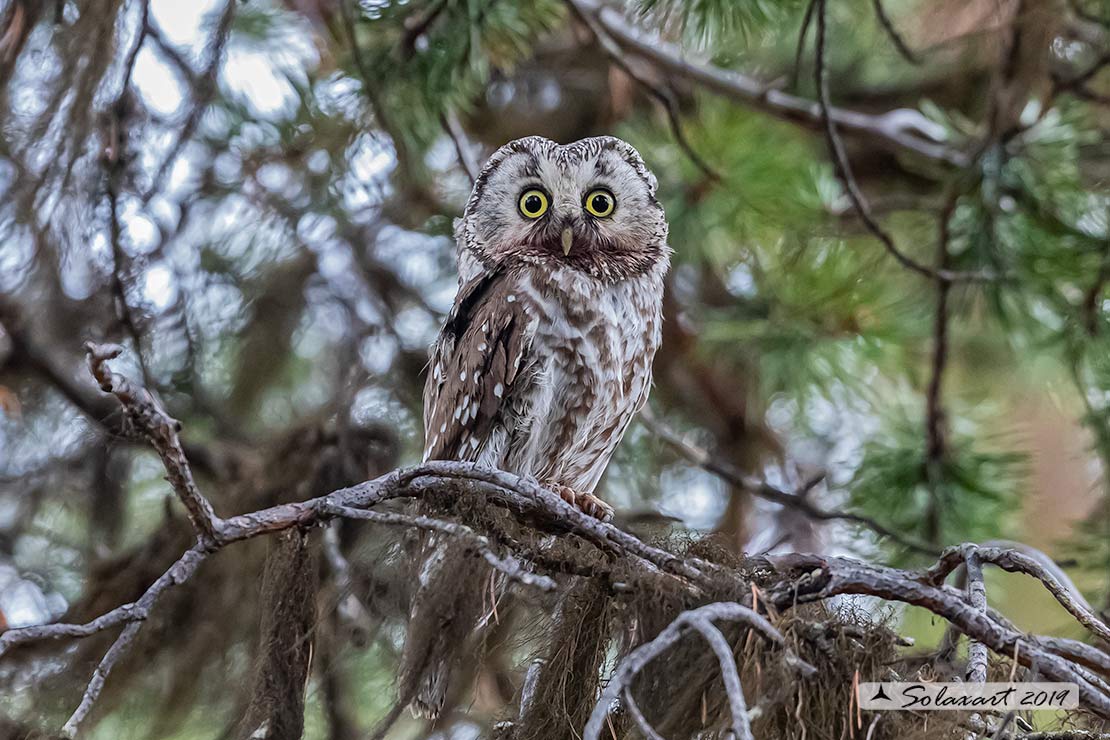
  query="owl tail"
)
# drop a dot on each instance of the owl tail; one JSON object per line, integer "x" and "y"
{"x": 450, "y": 601}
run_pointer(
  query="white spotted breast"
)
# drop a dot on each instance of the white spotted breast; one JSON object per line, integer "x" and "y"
{"x": 539, "y": 372}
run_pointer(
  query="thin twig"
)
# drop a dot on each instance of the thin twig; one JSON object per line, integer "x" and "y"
{"x": 43, "y": 632}
{"x": 844, "y": 170}
{"x": 761, "y": 488}
{"x": 800, "y": 47}
{"x": 454, "y": 130}
{"x": 935, "y": 418}
{"x": 642, "y": 722}
{"x": 895, "y": 37}
{"x": 140, "y": 37}
{"x": 511, "y": 568}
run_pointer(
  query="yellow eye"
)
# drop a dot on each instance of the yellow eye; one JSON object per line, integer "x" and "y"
{"x": 533, "y": 203}
{"x": 600, "y": 203}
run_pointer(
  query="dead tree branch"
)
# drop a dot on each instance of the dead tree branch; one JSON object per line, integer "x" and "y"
{"x": 151, "y": 420}
{"x": 800, "y": 46}
{"x": 738, "y": 706}
{"x": 135, "y": 614}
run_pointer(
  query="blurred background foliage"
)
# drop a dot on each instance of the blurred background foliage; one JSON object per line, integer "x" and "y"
{"x": 256, "y": 199}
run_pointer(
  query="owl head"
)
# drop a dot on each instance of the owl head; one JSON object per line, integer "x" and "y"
{"x": 588, "y": 206}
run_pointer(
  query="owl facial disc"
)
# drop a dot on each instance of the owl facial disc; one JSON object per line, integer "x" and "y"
{"x": 589, "y": 206}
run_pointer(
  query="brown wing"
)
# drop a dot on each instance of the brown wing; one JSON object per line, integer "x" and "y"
{"x": 474, "y": 365}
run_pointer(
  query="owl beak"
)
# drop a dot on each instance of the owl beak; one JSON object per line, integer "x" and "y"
{"x": 568, "y": 240}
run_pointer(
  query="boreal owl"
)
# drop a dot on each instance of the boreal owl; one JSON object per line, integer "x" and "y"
{"x": 547, "y": 353}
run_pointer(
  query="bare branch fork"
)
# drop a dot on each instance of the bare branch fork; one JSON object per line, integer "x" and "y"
{"x": 826, "y": 577}
{"x": 790, "y": 580}
{"x": 1012, "y": 560}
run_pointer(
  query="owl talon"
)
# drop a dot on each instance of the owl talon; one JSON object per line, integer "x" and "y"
{"x": 587, "y": 503}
